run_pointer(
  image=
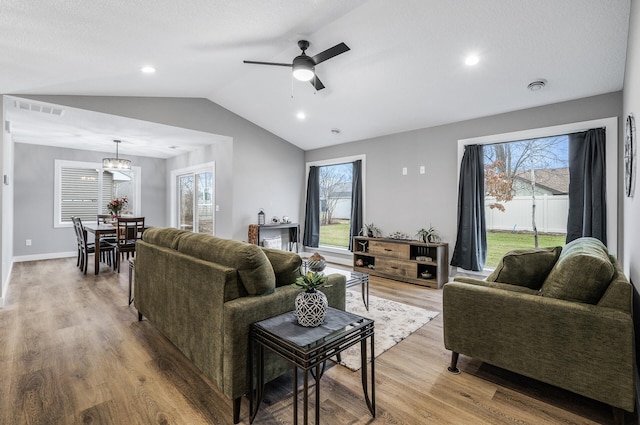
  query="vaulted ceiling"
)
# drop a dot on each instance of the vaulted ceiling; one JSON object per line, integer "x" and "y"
{"x": 405, "y": 70}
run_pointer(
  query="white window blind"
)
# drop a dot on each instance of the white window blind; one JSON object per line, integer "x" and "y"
{"x": 79, "y": 193}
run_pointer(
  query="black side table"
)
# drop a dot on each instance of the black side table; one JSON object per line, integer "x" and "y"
{"x": 308, "y": 349}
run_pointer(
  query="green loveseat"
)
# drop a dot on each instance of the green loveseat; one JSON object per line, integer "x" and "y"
{"x": 204, "y": 292}
{"x": 564, "y": 318}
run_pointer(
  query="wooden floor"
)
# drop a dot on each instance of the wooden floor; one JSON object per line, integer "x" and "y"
{"x": 72, "y": 351}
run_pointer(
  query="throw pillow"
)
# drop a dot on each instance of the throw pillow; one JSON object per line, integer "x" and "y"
{"x": 582, "y": 274}
{"x": 286, "y": 265}
{"x": 273, "y": 243}
{"x": 526, "y": 267}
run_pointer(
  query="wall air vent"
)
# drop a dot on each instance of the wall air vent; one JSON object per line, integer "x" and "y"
{"x": 37, "y": 107}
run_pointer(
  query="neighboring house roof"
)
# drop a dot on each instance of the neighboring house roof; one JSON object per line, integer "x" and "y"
{"x": 555, "y": 180}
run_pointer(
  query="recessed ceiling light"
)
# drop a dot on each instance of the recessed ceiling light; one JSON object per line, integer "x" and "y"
{"x": 537, "y": 85}
{"x": 147, "y": 70}
{"x": 301, "y": 115}
{"x": 471, "y": 60}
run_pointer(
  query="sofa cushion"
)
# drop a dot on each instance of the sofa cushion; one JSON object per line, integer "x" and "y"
{"x": 582, "y": 273}
{"x": 286, "y": 265}
{"x": 526, "y": 267}
{"x": 254, "y": 269}
{"x": 166, "y": 237}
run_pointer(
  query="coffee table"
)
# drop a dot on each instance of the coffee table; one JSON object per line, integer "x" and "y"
{"x": 308, "y": 349}
{"x": 353, "y": 278}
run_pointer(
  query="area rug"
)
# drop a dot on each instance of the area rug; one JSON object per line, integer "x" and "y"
{"x": 394, "y": 322}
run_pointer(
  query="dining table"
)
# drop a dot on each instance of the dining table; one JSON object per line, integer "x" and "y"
{"x": 99, "y": 231}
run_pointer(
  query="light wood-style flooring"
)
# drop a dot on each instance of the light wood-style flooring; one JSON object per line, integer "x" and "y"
{"x": 72, "y": 351}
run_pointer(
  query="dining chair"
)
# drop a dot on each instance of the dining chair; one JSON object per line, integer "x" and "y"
{"x": 85, "y": 248}
{"x": 129, "y": 231}
{"x": 75, "y": 229}
{"x": 106, "y": 219}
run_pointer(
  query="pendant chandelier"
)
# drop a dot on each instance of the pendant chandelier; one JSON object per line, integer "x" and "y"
{"x": 116, "y": 163}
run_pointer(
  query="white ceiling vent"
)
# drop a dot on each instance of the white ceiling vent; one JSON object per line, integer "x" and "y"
{"x": 36, "y": 107}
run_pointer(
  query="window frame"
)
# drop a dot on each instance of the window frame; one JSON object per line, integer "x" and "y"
{"x": 173, "y": 190}
{"x": 57, "y": 204}
{"x": 338, "y": 161}
{"x": 611, "y": 126}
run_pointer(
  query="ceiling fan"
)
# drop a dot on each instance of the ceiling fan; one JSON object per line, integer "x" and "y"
{"x": 304, "y": 66}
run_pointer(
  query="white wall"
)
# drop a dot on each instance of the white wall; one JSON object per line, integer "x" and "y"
{"x": 6, "y": 199}
{"x": 630, "y": 229}
{"x": 631, "y": 105}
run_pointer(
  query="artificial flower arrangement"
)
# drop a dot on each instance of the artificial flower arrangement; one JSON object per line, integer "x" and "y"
{"x": 115, "y": 206}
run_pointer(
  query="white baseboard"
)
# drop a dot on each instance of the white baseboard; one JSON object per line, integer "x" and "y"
{"x": 48, "y": 256}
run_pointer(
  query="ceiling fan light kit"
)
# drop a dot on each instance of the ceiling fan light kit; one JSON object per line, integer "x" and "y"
{"x": 304, "y": 66}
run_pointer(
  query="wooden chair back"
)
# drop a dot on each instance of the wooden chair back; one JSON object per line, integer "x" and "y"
{"x": 129, "y": 232}
{"x": 104, "y": 219}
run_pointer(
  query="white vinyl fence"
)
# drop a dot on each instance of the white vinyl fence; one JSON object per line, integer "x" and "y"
{"x": 551, "y": 214}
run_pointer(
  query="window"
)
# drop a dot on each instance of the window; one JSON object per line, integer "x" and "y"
{"x": 84, "y": 189}
{"x": 611, "y": 128}
{"x": 335, "y": 204}
{"x": 334, "y": 200}
{"x": 526, "y": 195}
{"x": 194, "y": 200}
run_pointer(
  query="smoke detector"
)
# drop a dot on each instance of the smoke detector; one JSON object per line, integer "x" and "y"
{"x": 537, "y": 85}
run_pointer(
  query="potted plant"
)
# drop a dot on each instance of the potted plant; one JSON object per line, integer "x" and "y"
{"x": 428, "y": 235}
{"x": 371, "y": 230}
{"x": 311, "y": 304}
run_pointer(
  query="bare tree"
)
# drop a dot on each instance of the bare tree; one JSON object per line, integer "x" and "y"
{"x": 507, "y": 161}
{"x": 332, "y": 183}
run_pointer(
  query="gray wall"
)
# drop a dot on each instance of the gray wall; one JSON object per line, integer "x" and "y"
{"x": 267, "y": 172}
{"x": 33, "y": 201}
{"x": 395, "y": 202}
{"x": 6, "y": 200}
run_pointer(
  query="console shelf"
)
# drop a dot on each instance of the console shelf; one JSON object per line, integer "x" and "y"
{"x": 402, "y": 260}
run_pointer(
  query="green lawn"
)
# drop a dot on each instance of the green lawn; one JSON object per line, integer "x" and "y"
{"x": 499, "y": 243}
{"x": 335, "y": 234}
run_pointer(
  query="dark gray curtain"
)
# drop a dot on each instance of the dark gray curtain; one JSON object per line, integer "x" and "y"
{"x": 312, "y": 215}
{"x": 470, "y": 252}
{"x": 356, "y": 202}
{"x": 587, "y": 185}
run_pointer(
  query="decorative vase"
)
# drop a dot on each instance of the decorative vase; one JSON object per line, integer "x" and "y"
{"x": 311, "y": 308}
{"x": 317, "y": 265}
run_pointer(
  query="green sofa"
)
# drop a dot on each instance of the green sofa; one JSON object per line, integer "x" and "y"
{"x": 561, "y": 316}
{"x": 204, "y": 292}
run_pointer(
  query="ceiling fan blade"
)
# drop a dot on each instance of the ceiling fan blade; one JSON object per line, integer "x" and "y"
{"x": 331, "y": 52}
{"x": 315, "y": 82}
{"x": 269, "y": 63}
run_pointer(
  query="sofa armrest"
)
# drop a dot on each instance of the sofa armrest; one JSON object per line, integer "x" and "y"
{"x": 240, "y": 313}
{"x": 587, "y": 349}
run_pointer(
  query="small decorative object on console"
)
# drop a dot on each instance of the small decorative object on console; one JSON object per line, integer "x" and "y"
{"x": 399, "y": 235}
{"x": 285, "y": 219}
{"x": 261, "y": 217}
{"x": 275, "y": 220}
{"x": 428, "y": 235}
{"x": 316, "y": 263}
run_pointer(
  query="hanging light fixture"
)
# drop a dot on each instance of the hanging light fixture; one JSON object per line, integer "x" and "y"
{"x": 116, "y": 163}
